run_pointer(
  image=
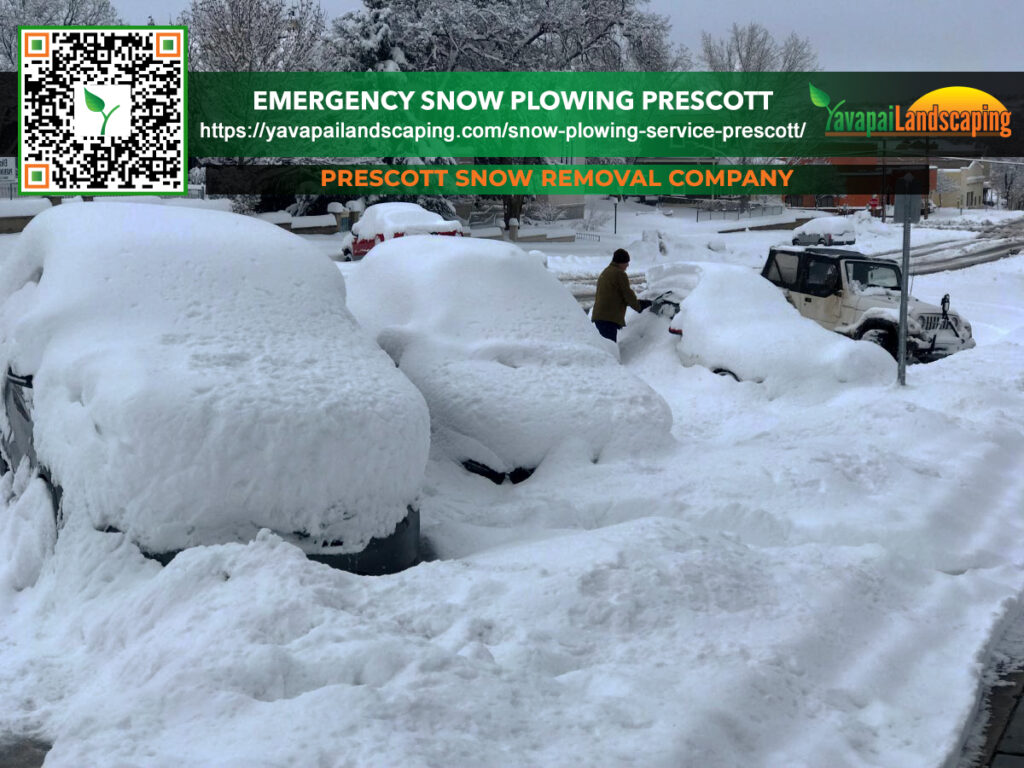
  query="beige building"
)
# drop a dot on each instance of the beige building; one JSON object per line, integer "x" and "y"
{"x": 962, "y": 187}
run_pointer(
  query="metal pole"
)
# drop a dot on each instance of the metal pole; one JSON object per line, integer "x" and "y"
{"x": 616, "y": 219}
{"x": 904, "y": 294}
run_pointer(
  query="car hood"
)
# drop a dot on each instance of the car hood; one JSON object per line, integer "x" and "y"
{"x": 888, "y": 299}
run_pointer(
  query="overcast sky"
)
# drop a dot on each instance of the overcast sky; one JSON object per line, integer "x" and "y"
{"x": 924, "y": 35}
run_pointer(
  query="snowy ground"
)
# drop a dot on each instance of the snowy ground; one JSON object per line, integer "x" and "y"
{"x": 808, "y": 580}
{"x": 671, "y": 233}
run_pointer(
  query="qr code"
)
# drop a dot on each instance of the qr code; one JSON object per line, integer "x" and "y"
{"x": 102, "y": 110}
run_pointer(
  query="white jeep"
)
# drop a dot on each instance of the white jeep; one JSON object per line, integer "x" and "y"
{"x": 859, "y": 296}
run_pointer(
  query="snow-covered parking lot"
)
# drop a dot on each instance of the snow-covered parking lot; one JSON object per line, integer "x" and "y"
{"x": 807, "y": 576}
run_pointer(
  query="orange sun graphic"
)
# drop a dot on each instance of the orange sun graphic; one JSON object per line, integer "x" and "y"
{"x": 957, "y": 98}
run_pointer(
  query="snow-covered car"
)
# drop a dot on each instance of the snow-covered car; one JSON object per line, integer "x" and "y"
{"x": 859, "y": 296}
{"x": 826, "y": 230}
{"x": 385, "y": 221}
{"x": 731, "y": 321}
{"x": 508, "y": 362}
{"x": 190, "y": 377}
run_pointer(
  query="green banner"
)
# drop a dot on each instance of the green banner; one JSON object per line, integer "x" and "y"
{"x": 744, "y": 116}
{"x": 535, "y": 179}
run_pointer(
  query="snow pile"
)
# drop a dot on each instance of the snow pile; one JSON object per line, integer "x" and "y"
{"x": 389, "y": 219}
{"x": 23, "y": 207}
{"x": 197, "y": 378}
{"x": 27, "y": 530}
{"x": 509, "y": 364}
{"x": 733, "y": 318}
{"x": 642, "y": 643}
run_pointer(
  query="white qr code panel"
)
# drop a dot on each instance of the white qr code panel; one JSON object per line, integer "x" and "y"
{"x": 102, "y": 110}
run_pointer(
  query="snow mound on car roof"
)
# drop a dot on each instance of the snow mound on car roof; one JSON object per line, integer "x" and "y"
{"x": 388, "y": 219}
{"x": 508, "y": 362}
{"x": 198, "y": 377}
{"x": 828, "y": 225}
{"x": 733, "y": 318}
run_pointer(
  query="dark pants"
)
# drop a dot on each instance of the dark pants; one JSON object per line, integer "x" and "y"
{"x": 607, "y": 329}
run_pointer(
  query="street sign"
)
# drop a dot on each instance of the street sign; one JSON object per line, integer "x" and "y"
{"x": 8, "y": 169}
{"x": 907, "y": 209}
{"x": 907, "y": 205}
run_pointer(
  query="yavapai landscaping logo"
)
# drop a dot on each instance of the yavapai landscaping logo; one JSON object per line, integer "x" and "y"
{"x": 953, "y": 111}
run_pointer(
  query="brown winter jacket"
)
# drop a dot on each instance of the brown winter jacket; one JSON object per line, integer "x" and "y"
{"x": 613, "y": 296}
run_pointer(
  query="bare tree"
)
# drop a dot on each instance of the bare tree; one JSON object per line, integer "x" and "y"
{"x": 255, "y": 35}
{"x": 56, "y": 13}
{"x": 796, "y": 54}
{"x": 506, "y": 36}
{"x": 752, "y": 48}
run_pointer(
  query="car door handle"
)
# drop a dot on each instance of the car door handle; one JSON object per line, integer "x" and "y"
{"x": 807, "y": 299}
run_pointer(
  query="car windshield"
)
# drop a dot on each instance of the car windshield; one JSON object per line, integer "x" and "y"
{"x": 864, "y": 276}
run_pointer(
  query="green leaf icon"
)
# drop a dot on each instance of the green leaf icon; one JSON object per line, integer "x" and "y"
{"x": 818, "y": 97}
{"x": 95, "y": 103}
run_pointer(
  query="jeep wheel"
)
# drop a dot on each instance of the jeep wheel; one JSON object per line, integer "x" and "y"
{"x": 886, "y": 338}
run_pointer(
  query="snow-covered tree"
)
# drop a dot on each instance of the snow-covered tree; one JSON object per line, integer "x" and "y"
{"x": 504, "y": 35}
{"x": 752, "y": 48}
{"x": 255, "y": 35}
{"x": 1007, "y": 176}
{"x": 947, "y": 187}
{"x": 58, "y": 13}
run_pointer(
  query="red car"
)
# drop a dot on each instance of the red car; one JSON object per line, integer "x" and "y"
{"x": 385, "y": 221}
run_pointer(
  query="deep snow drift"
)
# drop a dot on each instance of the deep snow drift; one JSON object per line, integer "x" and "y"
{"x": 806, "y": 578}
